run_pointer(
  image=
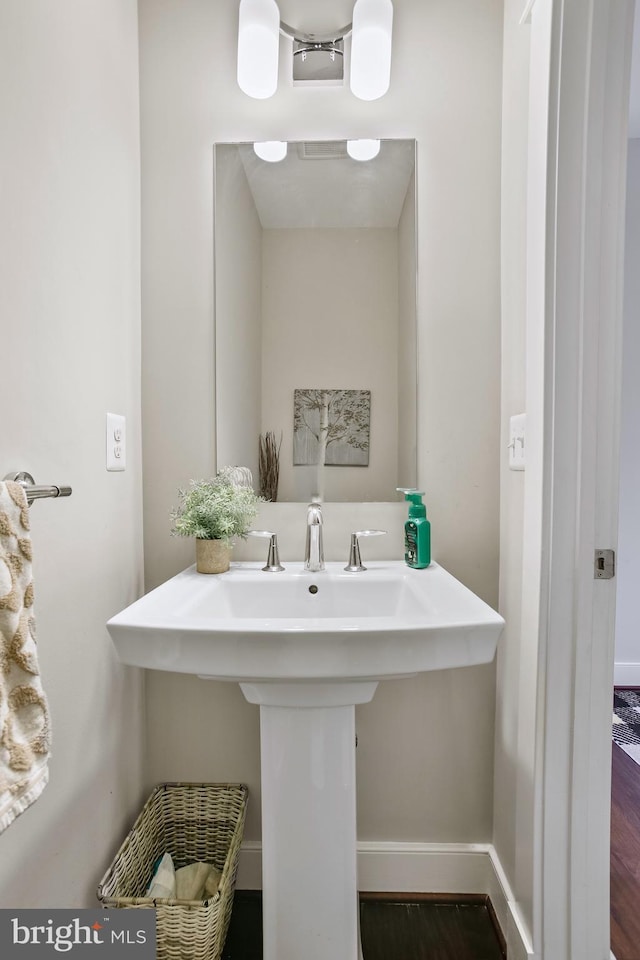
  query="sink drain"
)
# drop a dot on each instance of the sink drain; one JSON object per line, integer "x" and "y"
{"x": 313, "y": 588}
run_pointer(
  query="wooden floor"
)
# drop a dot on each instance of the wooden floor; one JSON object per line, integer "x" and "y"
{"x": 408, "y": 930}
{"x": 625, "y": 856}
{"x": 391, "y": 930}
{"x": 452, "y": 931}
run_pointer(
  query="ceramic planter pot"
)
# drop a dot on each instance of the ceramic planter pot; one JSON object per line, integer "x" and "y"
{"x": 212, "y": 556}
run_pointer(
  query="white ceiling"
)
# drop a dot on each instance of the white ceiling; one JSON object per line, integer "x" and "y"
{"x": 330, "y": 192}
{"x": 634, "y": 106}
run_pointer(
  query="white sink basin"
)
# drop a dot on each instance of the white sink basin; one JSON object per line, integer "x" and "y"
{"x": 308, "y": 647}
{"x": 247, "y": 625}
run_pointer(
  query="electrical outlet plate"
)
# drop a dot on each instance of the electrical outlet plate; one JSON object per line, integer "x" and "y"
{"x": 116, "y": 438}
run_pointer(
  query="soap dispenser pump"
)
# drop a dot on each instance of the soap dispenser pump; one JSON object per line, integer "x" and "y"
{"x": 417, "y": 530}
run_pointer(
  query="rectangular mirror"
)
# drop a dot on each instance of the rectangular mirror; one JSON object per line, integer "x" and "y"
{"x": 315, "y": 317}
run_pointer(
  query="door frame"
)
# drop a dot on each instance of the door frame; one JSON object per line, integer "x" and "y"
{"x": 573, "y": 366}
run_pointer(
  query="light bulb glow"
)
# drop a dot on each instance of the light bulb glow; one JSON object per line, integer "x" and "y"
{"x": 363, "y": 149}
{"x": 258, "y": 47}
{"x": 271, "y": 150}
{"x": 371, "y": 48}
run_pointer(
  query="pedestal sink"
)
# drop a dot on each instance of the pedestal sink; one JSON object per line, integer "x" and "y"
{"x": 307, "y": 647}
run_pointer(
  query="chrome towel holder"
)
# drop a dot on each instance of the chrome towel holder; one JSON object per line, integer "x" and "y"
{"x": 36, "y": 491}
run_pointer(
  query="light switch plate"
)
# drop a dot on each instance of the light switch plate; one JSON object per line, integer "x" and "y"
{"x": 517, "y": 425}
{"x": 116, "y": 437}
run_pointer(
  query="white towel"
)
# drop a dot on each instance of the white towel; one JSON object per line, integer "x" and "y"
{"x": 163, "y": 882}
{"x": 24, "y": 712}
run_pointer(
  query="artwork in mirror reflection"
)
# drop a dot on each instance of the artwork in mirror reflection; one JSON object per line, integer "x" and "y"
{"x": 315, "y": 310}
{"x": 331, "y": 427}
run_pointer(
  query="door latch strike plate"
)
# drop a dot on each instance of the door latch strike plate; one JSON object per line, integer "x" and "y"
{"x": 604, "y": 566}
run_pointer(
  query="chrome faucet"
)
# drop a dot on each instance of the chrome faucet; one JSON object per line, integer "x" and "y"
{"x": 314, "y": 554}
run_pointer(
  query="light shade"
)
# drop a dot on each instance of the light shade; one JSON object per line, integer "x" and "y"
{"x": 258, "y": 47}
{"x": 271, "y": 150}
{"x": 371, "y": 48}
{"x": 363, "y": 149}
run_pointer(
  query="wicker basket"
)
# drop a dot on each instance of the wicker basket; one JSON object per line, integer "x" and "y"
{"x": 191, "y": 821}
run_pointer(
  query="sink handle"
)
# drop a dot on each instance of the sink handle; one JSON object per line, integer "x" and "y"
{"x": 273, "y": 564}
{"x": 355, "y": 564}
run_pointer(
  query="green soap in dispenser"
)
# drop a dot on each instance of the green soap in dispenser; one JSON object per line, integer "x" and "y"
{"x": 417, "y": 530}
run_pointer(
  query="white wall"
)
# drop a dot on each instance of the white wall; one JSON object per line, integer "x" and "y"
{"x": 627, "y": 663}
{"x": 634, "y": 101}
{"x": 515, "y": 130}
{"x": 407, "y": 340}
{"x": 435, "y": 733}
{"x": 70, "y": 345}
{"x": 238, "y": 315}
{"x": 330, "y": 320}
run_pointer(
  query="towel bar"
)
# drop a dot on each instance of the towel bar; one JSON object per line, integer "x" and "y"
{"x": 36, "y": 491}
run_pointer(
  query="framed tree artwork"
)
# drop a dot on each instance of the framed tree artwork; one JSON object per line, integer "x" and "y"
{"x": 331, "y": 427}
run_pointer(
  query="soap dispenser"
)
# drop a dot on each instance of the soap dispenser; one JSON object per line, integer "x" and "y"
{"x": 417, "y": 530}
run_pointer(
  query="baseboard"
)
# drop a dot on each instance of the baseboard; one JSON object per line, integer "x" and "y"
{"x": 626, "y": 675}
{"x": 424, "y": 868}
{"x": 514, "y": 927}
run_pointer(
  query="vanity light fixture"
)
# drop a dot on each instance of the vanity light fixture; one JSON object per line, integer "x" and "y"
{"x": 258, "y": 47}
{"x": 371, "y": 48}
{"x": 315, "y": 56}
{"x": 363, "y": 149}
{"x": 271, "y": 150}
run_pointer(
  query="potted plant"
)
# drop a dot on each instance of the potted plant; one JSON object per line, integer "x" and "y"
{"x": 215, "y": 512}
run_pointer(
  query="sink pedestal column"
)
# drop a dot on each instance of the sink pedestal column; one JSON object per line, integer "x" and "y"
{"x": 309, "y": 875}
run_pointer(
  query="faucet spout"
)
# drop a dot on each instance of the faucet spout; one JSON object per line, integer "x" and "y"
{"x": 314, "y": 553}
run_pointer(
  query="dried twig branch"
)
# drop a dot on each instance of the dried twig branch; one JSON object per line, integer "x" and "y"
{"x": 269, "y": 465}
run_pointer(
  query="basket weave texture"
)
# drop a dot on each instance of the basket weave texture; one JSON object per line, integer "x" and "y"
{"x": 191, "y": 821}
